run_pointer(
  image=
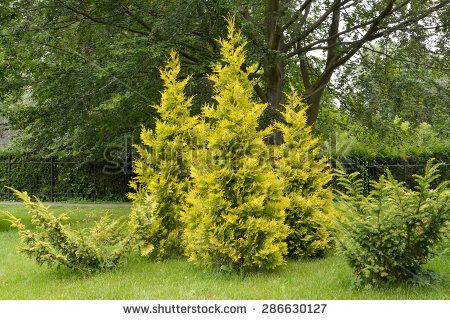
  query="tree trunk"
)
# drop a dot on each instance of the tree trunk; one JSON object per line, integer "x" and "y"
{"x": 274, "y": 68}
{"x": 314, "y": 93}
{"x": 313, "y": 102}
{"x": 275, "y": 80}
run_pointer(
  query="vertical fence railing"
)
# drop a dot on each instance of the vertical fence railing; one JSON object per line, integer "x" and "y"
{"x": 404, "y": 170}
{"x": 52, "y": 180}
{"x": 9, "y": 178}
{"x": 94, "y": 173}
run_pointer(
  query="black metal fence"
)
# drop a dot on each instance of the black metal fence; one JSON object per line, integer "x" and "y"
{"x": 53, "y": 180}
{"x": 401, "y": 171}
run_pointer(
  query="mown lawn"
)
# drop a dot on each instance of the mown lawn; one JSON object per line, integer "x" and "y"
{"x": 327, "y": 278}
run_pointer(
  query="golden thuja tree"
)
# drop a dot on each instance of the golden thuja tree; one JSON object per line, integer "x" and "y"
{"x": 306, "y": 177}
{"x": 235, "y": 214}
{"x": 162, "y": 171}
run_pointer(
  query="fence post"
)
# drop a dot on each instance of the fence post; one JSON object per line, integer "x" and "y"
{"x": 51, "y": 179}
{"x": 95, "y": 182}
{"x": 9, "y": 178}
{"x": 404, "y": 170}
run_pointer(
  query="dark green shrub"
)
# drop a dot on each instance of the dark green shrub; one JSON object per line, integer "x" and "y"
{"x": 388, "y": 234}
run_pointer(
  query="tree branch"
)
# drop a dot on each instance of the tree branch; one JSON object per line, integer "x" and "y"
{"x": 305, "y": 73}
{"x": 315, "y": 25}
{"x": 402, "y": 24}
{"x": 329, "y": 69}
{"x": 310, "y": 47}
{"x": 333, "y": 39}
{"x": 405, "y": 60}
{"x": 303, "y": 7}
{"x": 136, "y": 18}
{"x": 101, "y": 20}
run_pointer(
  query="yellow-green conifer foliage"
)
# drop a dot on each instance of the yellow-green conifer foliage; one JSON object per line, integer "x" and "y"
{"x": 306, "y": 184}
{"x": 54, "y": 242}
{"x": 235, "y": 214}
{"x": 162, "y": 172}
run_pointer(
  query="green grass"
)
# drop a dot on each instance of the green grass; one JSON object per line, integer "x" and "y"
{"x": 73, "y": 201}
{"x": 140, "y": 278}
{"x": 78, "y": 215}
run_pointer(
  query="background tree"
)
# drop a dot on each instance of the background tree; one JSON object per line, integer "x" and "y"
{"x": 390, "y": 79}
{"x": 391, "y": 101}
{"x": 75, "y": 86}
{"x": 106, "y": 52}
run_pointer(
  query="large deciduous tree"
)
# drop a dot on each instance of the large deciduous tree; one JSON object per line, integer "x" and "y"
{"x": 317, "y": 35}
{"x": 391, "y": 80}
{"x": 290, "y": 31}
